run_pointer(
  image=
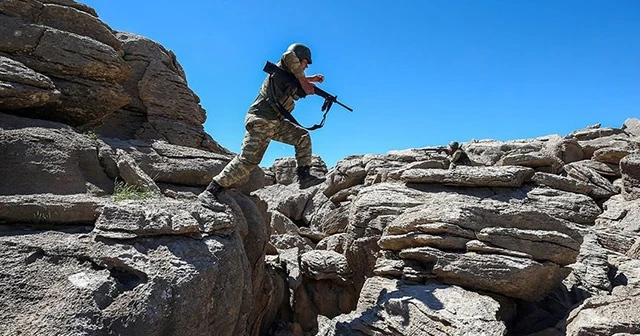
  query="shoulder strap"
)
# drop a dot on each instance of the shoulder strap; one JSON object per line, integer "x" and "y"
{"x": 286, "y": 113}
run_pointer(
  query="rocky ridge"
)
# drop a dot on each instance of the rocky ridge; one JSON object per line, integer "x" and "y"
{"x": 539, "y": 237}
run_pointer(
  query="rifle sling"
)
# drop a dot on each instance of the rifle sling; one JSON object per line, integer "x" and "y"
{"x": 288, "y": 115}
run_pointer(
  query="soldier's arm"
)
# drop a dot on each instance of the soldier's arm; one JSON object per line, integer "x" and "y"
{"x": 456, "y": 156}
{"x": 292, "y": 63}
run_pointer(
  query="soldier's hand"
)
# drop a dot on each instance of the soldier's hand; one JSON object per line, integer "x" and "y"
{"x": 319, "y": 78}
{"x": 308, "y": 88}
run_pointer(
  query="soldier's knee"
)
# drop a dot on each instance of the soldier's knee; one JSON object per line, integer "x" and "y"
{"x": 305, "y": 140}
{"x": 250, "y": 160}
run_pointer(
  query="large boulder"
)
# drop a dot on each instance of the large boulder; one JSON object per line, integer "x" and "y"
{"x": 53, "y": 158}
{"x": 390, "y": 307}
{"x": 152, "y": 268}
{"x": 630, "y": 170}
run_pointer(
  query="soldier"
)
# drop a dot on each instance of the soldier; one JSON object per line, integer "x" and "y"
{"x": 457, "y": 155}
{"x": 264, "y": 123}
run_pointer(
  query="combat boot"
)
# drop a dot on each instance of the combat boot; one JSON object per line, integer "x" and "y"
{"x": 210, "y": 196}
{"x": 307, "y": 180}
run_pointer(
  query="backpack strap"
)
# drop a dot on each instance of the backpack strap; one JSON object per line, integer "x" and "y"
{"x": 286, "y": 113}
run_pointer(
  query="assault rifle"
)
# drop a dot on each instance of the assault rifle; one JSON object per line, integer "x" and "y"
{"x": 439, "y": 149}
{"x": 329, "y": 99}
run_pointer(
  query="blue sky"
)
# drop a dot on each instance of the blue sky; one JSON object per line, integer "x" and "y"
{"x": 416, "y": 72}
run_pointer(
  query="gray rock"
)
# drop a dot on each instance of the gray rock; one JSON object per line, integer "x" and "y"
{"x": 132, "y": 219}
{"x": 533, "y": 160}
{"x": 567, "y": 150}
{"x": 46, "y": 209}
{"x": 378, "y": 205}
{"x": 511, "y": 276}
{"x": 67, "y": 283}
{"x": 347, "y": 172}
{"x": 399, "y": 242}
{"x": 285, "y": 169}
{"x": 78, "y": 22}
{"x": 602, "y": 188}
{"x": 324, "y": 264}
{"x": 288, "y": 199}
{"x": 610, "y": 155}
{"x": 630, "y": 170}
{"x": 52, "y": 157}
{"x": 561, "y": 183}
{"x": 560, "y": 204}
{"x": 540, "y": 245}
{"x": 620, "y": 141}
{"x": 632, "y": 126}
{"x": 606, "y": 315}
{"x": 508, "y": 176}
{"x": 389, "y": 307}
{"x": 133, "y": 175}
{"x": 21, "y": 87}
{"x": 593, "y": 133}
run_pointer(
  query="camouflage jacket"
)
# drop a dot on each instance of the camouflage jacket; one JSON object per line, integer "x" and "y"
{"x": 276, "y": 90}
{"x": 459, "y": 157}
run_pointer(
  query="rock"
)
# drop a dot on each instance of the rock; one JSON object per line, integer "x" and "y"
{"x": 562, "y": 183}
{"x": 602, "y": 188}
{"x": 632, "y": 126}
{"x": 511, "y": 276}
{"x": 390, "y": 307}
{"x": 338, "y": 243}
{"x": 567, "y": 150}
{"x": 21, "y": 87}
{"x": 634, "y": 251}
{"x": 289, "y": 241}
{"x": 593, "y": 133}
{"x": 52, "y": 157}
{"x": 46, "y": 209}
{"x": 133, "y": 175}
{"x": 620, "y": 216}
{"x": 285, "y": 169}
{"x": 378, "y": 205}
{"x": 509, "y": 176}
{"x": 323, "y": 264}
{"x": 630, "y": 170}
{"x": 136, "y": 287}
{"x": 281, "y": 224}
{"x": 606, "y": 315}
{"x": 610, "y": 155}
{"x": 560, "y": 204}
{"x": 620, "y": 141}
{"x": 533, "y": 160}
{"x": 540, "y": 245}
{"x": 288, "y": 199}
{"x": 347, "y": 172}
{"x": 402, "y": 241}
{"x": 78, "y": 22}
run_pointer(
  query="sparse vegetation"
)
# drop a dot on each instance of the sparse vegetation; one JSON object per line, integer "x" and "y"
{"x": 91, "y": 135}
{"x": 123, "y": 191}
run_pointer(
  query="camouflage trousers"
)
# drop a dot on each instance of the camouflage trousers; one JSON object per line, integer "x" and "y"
{"x": 260, "y": 132}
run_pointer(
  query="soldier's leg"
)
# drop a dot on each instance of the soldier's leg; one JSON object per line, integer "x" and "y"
{"x": 298, "y": 137}
{"x": 256, "y": 140}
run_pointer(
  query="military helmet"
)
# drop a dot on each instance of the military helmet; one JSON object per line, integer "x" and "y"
{"x": 454, "y": 145}
{"x": 301, "y": 51}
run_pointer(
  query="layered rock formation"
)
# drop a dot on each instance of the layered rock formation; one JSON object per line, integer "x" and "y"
{"x": 538, "y": 237}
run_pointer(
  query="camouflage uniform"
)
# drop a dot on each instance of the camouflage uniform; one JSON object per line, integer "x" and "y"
{"x": 264, "y": 123}
{"x": 458, "y": 157}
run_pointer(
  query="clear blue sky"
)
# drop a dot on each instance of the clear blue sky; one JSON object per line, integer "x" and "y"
{"x": 417, "y": 72}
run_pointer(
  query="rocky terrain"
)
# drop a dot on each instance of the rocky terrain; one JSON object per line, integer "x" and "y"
{"x": 103, "y": 153}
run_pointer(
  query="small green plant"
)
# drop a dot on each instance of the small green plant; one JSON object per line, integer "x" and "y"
{"x": 123, "y": 191}
{"x": 91, "y": 135}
